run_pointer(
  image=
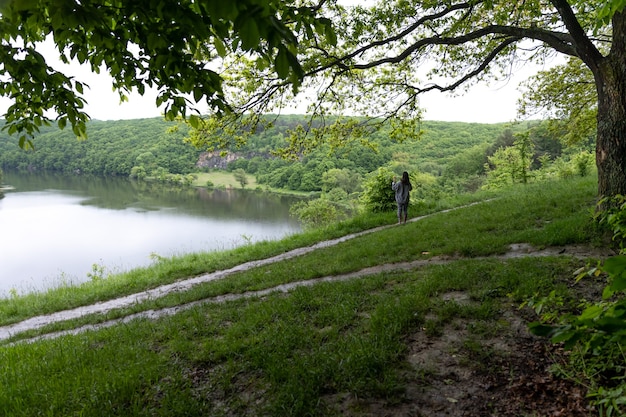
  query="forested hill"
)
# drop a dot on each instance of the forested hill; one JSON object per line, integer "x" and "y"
{"x": 114, "y": 147}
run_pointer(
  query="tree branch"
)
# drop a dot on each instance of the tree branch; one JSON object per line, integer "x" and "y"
{"x": 483, "y": 65}
{"x": 585, "y": 49}
{"x": 562, "y": 42}
{"x": 411, "y": 28}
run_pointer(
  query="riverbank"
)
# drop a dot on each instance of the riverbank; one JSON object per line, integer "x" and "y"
{"x": 435, "y": 338}
{"x": 227, "y": 180}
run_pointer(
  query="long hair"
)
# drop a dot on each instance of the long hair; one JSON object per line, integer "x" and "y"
{"x": 405, "y": 178}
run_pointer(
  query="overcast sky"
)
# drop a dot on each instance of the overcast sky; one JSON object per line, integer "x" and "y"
{"x": 493, "y": 103}
{"x": 482, "y": 104}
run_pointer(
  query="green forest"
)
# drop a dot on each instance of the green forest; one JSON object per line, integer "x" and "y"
{"x": 449, "y": 157}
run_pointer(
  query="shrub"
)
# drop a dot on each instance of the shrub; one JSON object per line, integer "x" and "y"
{"x": 316, "y": 213}
{"x": 377, "y": 195}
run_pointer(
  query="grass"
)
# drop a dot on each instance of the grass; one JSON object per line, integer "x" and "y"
{"x": 289, "y": 354}
{"x": 224, "y": 179}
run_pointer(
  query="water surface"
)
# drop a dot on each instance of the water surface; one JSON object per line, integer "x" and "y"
{"x": 54, "y": 229}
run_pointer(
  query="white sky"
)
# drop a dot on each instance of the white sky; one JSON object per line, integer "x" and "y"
{"x": 493, "y": 103}
{"x": 483, "y": 103}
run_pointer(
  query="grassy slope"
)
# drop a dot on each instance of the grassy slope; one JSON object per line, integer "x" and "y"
{"x": 284, "y": 355}
{"x": 223, "y": 179}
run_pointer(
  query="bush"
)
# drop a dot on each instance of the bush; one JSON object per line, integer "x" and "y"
{"x": 377, "y": 196}
{"x": 583, "y": 162}
{"x": 316, "y": 213}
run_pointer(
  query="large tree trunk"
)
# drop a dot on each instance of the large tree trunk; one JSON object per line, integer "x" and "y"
{"x": 611, "y": 139}
{"x": 611, "y": 136}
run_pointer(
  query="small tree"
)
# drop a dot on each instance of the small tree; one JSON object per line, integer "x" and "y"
{"x": 511, "y": 164}
{"x": 502, "y": 167}
{"x": 583, "y": 162}
{"x": 377, "y": 194}
{"x": 241, "y": 177}
{"x": 315, "y": 213}
{"x": 524, "y": 145}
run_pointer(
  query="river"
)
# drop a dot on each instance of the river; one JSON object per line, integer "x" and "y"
{"x": 54, "y": 229}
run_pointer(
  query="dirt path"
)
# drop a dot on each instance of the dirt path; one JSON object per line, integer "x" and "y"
{"x": 161, "y": 291}
{"x": 38, "y": 322}
{"x": 510, "y": 376}
{"x": 516, "y": 251}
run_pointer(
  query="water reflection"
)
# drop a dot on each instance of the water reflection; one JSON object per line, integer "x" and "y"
{"x": 56, "y": 227}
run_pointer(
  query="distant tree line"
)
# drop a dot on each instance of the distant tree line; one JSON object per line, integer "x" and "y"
{"x": 449, "y": 157}
{"x": 113, "y": 148}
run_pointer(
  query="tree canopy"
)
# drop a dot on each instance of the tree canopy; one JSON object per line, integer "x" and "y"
{"x": 389, "y": 53}
{"x": 142, "y": 43}
{"x": 372, "y": 59}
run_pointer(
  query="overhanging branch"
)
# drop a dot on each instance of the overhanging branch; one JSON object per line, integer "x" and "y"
{"x": 482, "y": 67}
{"x": 585, "y": 49}
{"x": 559, "y": 41}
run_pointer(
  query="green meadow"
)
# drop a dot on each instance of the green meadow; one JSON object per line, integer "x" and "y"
{"x": 339, "y": 347}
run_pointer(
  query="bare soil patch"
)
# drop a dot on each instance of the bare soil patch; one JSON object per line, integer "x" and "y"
{"x": 458, "y": 374}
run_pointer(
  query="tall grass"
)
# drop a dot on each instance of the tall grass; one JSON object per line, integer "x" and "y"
{"x": 273, "y": 356}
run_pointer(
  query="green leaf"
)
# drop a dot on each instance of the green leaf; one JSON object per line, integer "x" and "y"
{"x": 564, "y": 336}
{"x": 219, "y": 46}
{"x": 619, "y": 283}
{"x": 611, "y": 324}
{"x": 616, "y": 268}
{"x": 329, "y": 32}
{"x": 615, "y": 264}
{"x": 591, "y": 312}
{"x": 607, "y": 292}
{"x": 539, "y": 329}
{"x": 249, "y": 33}
{"x": 281, "y": 63}
{"x": 198, "y": 94}
{"x": 194, "y": 121}
{"x": 295, "y": 65}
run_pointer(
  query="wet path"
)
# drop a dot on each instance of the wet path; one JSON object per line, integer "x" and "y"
{"x": 38, "y": 322}
{"x": 35, "y": 323}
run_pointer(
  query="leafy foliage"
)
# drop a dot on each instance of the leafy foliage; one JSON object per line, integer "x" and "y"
{"x": 141, "y": 44}
{"x": 248, "y": 58}
{"x": 377, "y": 194}
{"x": 240, "y": 177}
{"x": 388, "y": 53}
{"x": 597, "y": 336}
{"x": 448, "y": 159}
{"x": 566, "y": 94}
{"x": 114, "y": 148}
{"x": 511, "y": 164}
{"x": 316, "y": 213}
